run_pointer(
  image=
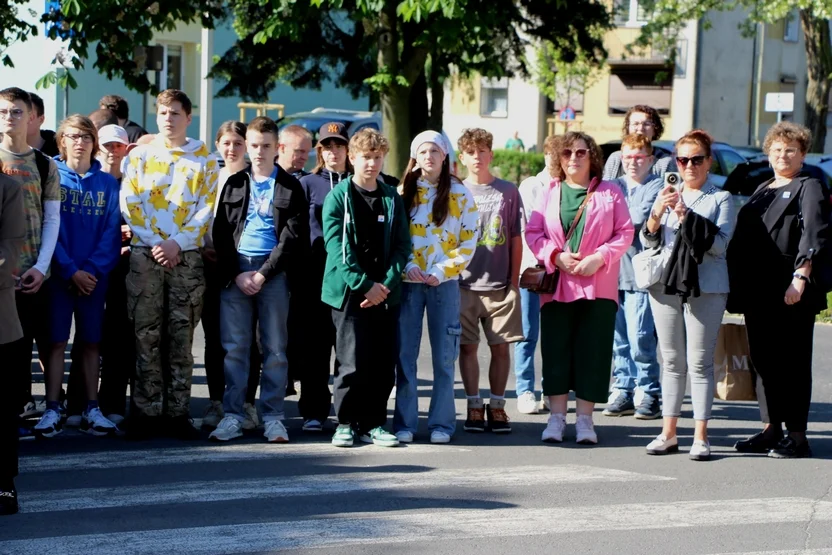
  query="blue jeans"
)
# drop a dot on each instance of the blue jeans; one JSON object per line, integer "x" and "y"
{"x": 444, "y": 329}
{"x": 634, "y": 345}
{"x": 524, "y": 350}
{"x": 236, "y": 314}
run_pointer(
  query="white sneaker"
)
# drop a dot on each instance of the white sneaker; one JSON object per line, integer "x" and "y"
{"x": 96, "y": 424}
{"x": 437, "y": 436}
{"x": 30, "y": 410}
{"x": 527, "y": 403}
{"x": 554, "y": 429}
{"x": 662, "y": 446}
{"x": 227, "y": 429}
{"x": 49, "y": 424}
{"x": 276, "y": 432}
{"x": 313, "y": 425}
{"x": 405, "y": 437}
{"x": 585, "y": 430}
{"x": 700, "y": 450}
{"x": 73, "y": 421}
{"x": 116, "y": 419}
{"x": 213, "y": 414}
{"x": 252, "y": 421}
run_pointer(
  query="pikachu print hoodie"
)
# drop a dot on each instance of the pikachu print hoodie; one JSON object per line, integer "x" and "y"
{"x": 442, "y": 251}
{"x": 169, "y": 193}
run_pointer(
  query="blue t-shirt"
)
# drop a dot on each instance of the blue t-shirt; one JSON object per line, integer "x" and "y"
{"x": 258, "y": 236}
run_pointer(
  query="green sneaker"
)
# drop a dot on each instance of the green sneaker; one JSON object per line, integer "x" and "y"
{"x": 381, "y": 437}
{"x": 344, "y": 436}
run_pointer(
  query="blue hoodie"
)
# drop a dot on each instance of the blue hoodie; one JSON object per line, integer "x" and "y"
{"x": 317, "y": 186}
{"x": 90, "y": 235}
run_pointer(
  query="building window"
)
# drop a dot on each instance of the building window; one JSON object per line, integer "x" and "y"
{"x": 174, "y": 64}
{"x": 494, "y": 97}
{"x": 639, "y": 85}
{"x": 792, "y": 27}
{"x": 630, "y": 13}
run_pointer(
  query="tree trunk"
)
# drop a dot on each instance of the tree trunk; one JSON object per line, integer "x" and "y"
{"x": 419, "y": 105}
{"x": 819, "y": 62}
{"x": 437, "y": 95}
{"x": 395, "y": 109}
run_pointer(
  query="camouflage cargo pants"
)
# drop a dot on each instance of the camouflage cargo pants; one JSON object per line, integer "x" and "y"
{"x": 164, "y": 304}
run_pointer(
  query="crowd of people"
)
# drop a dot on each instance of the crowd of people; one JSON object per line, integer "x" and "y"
{"x": 138, "y": 237}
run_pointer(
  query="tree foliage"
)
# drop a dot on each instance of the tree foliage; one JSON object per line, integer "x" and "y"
{"x": 668, "y": 17}
{"x": 561, "y": 81}
{"x": 13, "y": 28}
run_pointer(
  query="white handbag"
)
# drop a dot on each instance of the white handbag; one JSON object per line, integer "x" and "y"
{"x": 648, "y": 266}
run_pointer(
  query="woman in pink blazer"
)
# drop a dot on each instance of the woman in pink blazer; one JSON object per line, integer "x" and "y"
{"x": 577, "y": 322}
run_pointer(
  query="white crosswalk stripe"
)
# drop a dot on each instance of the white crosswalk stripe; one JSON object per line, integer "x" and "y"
{"x": 436, "y": 525}
{"x": 324, "y": 484}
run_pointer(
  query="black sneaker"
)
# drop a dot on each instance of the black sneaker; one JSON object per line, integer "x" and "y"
{"x": 497, "y": 420}
{"x": 181, "y": 427}
{"x": 648, "y": 408}
{"x": 758, "y": 443}
{"x": 475, "y": 421}
{"x": 790, "y": 449}
{"x": 622, "y": 405}
{"x": 8, "y": 500}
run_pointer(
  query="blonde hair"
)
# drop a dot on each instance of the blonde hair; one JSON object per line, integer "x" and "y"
{"x": 83, "y": 123}
{"x": 369, "y": 140}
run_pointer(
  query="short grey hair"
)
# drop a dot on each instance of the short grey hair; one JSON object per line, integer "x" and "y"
{"x": 295, "y": 130}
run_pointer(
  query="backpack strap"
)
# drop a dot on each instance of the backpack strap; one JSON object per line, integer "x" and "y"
{"x": 42, "y": 162}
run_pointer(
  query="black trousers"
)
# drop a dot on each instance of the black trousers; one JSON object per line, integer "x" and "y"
{"x": 780, "y": 338}
{"x": 214, "y": 353}
{"x": 365, "y": 365}
{"x": 33, "y": 311}
{"x": 9, "y": 417}
{"x": 118, "y": 345}
{"x": 311, "y": 340}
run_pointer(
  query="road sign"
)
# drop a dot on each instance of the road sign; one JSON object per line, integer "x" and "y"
{"x": 779, "y": 102}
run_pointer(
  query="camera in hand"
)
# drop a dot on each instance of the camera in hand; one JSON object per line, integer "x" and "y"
{"x": 672, "y": 179}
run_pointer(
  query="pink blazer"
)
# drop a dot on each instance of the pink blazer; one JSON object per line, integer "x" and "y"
{"x": 608, "y": 231}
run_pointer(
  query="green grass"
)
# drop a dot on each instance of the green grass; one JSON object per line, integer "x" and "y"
{"x": 826, "y": 315}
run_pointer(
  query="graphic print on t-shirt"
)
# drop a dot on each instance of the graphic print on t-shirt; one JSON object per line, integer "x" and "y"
{"x": 490, "y": 224}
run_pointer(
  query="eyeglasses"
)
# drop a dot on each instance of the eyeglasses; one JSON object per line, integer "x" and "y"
{"x": 695, "y": 160}
{"x": 11, "y": 114}
{"x": 642, "y": 124}
{"x": 637, "y": 158}
{"x": 86, "y": 138}
{"x": 578, "y": 152}
{"x": 785, "y": 152}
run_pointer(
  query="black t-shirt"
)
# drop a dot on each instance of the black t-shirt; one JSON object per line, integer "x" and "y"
{"x": 134, "y": 131}
{"x": 50, "y": 143}
{"x": 368, "y": 207}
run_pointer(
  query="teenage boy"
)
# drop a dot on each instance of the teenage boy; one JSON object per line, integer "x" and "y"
{"x": 531, "y": 189}
{"x": 121, "y": 109}
{"x": 293, "y": 149}
{"x": 12, "y": 234}
{"x": 167, "y": 199}
{"x": 261, "y": 232}
{"x": 489, "y": 292}
{"x": 635, "y": 386}
{"x": 118, "y": 346}
{"x": 41, "y": 139}
{"x": 367, "y": 238}
{"x": 37, "y": 176}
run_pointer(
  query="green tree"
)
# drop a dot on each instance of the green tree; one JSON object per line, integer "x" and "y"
{"x": 669, "y": 16}
{"x": 561, "y": 81}
{"x": 13, "y": 28}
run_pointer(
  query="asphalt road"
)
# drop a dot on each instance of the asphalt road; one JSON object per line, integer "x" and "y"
{"x": 481, "y": 494}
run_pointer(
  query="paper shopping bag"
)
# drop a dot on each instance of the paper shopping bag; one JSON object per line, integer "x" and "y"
{"x": 733, "y": 372}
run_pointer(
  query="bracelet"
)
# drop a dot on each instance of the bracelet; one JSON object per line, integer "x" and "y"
{"x": 800, "y": 277}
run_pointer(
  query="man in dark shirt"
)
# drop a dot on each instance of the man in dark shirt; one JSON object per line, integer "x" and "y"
{"x": 41, "y": 139}
{"x": 122, "y": 111}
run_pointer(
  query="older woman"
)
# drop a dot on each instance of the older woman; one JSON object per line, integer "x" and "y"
{"x": 694, "y": 222}
{"x": 776, "y": 262}
{"x": 644, "y": 120}
{"x": 578, "y": 320}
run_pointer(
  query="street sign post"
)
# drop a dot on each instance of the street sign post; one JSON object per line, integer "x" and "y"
{"x": 780, "y": 103}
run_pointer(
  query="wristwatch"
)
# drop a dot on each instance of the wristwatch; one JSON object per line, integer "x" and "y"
{"x": 800, "y": 276}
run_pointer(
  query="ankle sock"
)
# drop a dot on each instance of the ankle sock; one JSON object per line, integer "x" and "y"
{"x": 497, "y": 402}
{"x": 53, "y": 405}
{"x": 474, "y": 402}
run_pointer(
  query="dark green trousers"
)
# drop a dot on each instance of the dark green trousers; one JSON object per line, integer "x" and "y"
{"x": 576, "y": 347}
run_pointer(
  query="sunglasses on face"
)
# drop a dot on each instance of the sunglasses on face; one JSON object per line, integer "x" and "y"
{"x": 697, "y": 161}
{"x": 579, "y": 153}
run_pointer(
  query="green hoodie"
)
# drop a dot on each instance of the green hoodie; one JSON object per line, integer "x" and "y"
{"x": 342, "y": 273}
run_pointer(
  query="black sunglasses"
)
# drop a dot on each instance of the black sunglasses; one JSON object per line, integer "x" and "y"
{"x": 695, "y": 160}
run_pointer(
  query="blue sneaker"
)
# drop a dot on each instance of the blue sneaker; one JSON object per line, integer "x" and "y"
{"x": 620, "y": 404}
{"x": 648, "y": 408}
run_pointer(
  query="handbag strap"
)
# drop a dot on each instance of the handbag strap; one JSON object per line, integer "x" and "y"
{"x": 580, "y": 213}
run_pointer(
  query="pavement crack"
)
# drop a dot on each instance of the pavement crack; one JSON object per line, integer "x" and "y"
{"x": 807, "y": 532}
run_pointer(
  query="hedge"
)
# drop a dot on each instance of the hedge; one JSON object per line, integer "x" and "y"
{"x": 515, "y": 166}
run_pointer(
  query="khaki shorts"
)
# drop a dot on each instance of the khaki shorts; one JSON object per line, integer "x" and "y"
{"x": 500, "y": 314}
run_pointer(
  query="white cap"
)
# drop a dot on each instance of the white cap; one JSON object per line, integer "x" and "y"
{"x": 113, "y": 134}
{"x": 428, "y": 137}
